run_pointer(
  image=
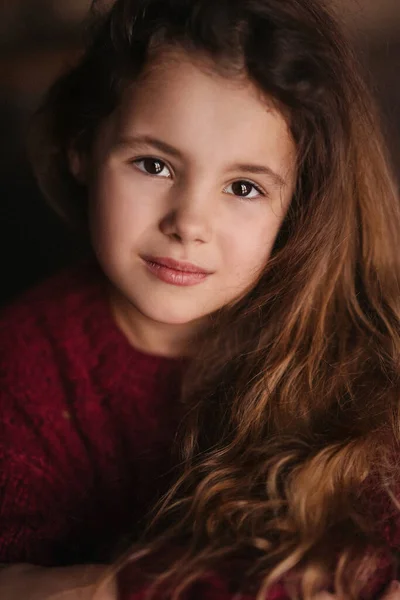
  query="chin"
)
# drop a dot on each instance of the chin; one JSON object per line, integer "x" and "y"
{"x": 172, "y": 316}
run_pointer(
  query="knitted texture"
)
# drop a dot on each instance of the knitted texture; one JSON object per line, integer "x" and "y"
{"x": 86, "y": 425}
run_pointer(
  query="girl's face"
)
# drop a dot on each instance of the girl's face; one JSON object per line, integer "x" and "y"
{"x": 189, "y": 182}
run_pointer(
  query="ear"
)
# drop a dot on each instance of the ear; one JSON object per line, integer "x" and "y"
{"x": 77, "y": 165}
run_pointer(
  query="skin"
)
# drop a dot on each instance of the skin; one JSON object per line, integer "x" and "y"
{"x": 214, "y": 123}
{"x": 392, "y": 593}
{"x": 190, "y": 211}
{"x": 28, "y": 582}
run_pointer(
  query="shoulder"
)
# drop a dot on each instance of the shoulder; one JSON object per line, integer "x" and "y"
{"x": 63, "y": 295}
{"x": 42, "y": 346}
{"x": 51, "y": 310}
{"x": 43, "y": 328}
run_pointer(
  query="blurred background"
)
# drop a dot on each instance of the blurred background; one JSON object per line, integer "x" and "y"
{"x": 39, "y": 38}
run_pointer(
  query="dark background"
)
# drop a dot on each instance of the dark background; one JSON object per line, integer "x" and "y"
{"x": 38, "y": 38}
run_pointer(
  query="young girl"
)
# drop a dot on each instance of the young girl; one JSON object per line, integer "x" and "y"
{"x": 233, "y": 351}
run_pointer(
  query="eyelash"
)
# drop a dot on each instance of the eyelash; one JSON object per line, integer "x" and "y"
{"x": 150, "y": 158}
{"x": 258, "y": 189}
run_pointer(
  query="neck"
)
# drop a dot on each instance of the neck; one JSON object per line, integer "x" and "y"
{"x": 152, "y": 337}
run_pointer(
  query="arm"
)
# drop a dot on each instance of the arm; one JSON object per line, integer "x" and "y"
{"x": 48, "y": 500}
{"x": 25, "y": 536}
{"x": 131, "y": 587}
{"x": 36, "y": 487}
{"x": 392, "y": 593}
{"x": 27, "y": 582}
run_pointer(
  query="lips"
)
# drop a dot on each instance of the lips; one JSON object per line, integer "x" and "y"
{"x": 175, "y": 272}
{"x": 177, "y": 265}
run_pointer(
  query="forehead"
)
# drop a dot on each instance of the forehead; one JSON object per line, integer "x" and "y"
{"x": 184, "y": 101}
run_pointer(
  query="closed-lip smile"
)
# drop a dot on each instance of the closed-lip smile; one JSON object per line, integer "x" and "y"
{"x": 176, "y": 265}
{"x": 176, "y": 272}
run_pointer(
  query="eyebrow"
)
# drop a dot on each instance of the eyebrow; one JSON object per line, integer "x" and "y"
{"x": 133, "y": 141}
{"x": 261, "y": 170}
{"x": 146, "y": 140}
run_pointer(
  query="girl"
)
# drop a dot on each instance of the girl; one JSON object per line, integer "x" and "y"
{"x": 234, "y": 351}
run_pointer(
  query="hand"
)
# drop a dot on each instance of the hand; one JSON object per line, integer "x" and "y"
{"x": 392, "y": 593}
{"x": 27, "y": 582}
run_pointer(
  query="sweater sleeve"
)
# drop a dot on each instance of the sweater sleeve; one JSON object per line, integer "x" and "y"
{"x": 28, "y": 386}
{"x": 86, "y": 426}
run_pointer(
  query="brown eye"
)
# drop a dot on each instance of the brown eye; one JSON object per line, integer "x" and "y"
{"x": 244, "y": 189}
{"x": 153, "y": 166}
{"x": 241, "y": 188}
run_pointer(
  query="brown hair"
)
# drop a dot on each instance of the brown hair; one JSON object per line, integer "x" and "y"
{"x": 292, "y": 403}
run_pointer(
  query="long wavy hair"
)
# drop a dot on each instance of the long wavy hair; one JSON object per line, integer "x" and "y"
{"x": 291, "y": 404}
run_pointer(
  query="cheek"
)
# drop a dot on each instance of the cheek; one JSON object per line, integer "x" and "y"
{"x": 118, "y": 212}
{"x": 249, "y": 250}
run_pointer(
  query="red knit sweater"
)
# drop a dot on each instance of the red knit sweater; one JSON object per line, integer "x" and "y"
{"x": 86, "y": 430}
{"x": 86, "y": 425}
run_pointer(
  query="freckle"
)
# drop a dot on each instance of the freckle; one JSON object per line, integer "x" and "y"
{"x": 66, "y": 415}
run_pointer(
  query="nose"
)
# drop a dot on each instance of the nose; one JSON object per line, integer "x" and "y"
{"x": 189, "y": 216}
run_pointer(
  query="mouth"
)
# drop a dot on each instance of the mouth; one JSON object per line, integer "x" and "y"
{"x": 177, "y": 265}
{"x": 176, "y": 272}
